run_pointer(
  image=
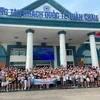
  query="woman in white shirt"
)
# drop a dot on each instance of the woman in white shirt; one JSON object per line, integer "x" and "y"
{"x": 19, "y": 80}
{"x": 22, "y": 81}
{"x": 64, "y": 80}
{"x": 76, "y": 79}
{"x": 81, "y": 79}
{"x": 88, "y": 79}
{"x": 70, "y": 79}
{"x": 67, "y": 79}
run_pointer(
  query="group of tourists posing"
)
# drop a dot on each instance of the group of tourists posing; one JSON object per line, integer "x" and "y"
{"x": 14, "y": 79}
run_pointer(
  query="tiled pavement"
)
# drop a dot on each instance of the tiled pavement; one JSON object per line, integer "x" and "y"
{"x": 62, "y": 94}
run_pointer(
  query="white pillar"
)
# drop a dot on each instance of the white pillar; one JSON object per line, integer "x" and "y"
{"x": 62, "y": 48}
{"x": 94, "y": 56}
{"x": 55, "y": 57}
{"x": 29, "y": 54}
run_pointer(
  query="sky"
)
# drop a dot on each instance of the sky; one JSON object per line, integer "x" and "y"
{"x": 80, "y": 6}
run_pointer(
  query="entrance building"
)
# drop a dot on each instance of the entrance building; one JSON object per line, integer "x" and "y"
{"x": 46, "y": 34}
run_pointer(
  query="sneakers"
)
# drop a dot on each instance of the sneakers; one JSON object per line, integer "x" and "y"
{"x": 7, "y": 90}
{"x": 88, "y": 86}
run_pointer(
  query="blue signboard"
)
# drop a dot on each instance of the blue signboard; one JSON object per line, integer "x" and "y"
{"x": 49, "y": 15}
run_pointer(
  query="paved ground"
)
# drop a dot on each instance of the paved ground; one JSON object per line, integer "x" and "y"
{"x": 65, "y": 94}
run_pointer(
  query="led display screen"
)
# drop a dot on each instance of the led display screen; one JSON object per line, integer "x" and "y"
{"x": 40, "y": 53}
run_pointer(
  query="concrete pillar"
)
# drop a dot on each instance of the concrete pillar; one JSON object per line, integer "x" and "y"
{"x": 94, "y": 56}
{"x": 29, "y": 53}
{"x": 55, "y": 57}
{"x": 62, "y": 48}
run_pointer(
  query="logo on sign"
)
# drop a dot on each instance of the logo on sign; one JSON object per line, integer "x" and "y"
{"x": 46, "y": 8}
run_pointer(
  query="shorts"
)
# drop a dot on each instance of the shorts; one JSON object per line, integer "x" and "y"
{"x": 22, "y": 82}
{"x": 3, "y": 83}
{"x": 58, "y": 82}
{"x": 92, "y": 79}
{"x": 16, "y": 81}
{"x": 81, "y": 80}
{"x": 87, "y": 79}
{"x": 13, "y": 82}
{"x": 95, "y": 79}
{"x": 7, "y": 82}
{"x": 76, "y": 83}
{"x": 64, "y": 82}
{"x": 10, "y": 82}
{"x": 19, "y": 81}
{"x": 67, "y": 81}
{"x": 84, "y": 79}
{"x": 70, "y": 82}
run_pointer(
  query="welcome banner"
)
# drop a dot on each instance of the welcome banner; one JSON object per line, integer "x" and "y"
{"x": 43, "y": 81}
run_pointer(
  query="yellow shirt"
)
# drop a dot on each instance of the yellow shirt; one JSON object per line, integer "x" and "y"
{"x": 13, "y": 78}
{"x": 7, "y": 78}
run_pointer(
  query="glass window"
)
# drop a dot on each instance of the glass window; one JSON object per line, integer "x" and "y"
{"x": 69, "y": 62}
{"x": 42, "y": 62}
{"x": 87, "y": 60}
{"x": 86, "y": 53}
{"x": 12, "y": 52}
{"x": 22, "y": 51}
{"x": 17, "y": 63}
{"x": 69, "y": 52}
{"x": 87, "y": 57}
{"x": 16, "y": 51}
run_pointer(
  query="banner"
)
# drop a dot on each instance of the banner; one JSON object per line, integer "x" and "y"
{"x": 43, "y": 81}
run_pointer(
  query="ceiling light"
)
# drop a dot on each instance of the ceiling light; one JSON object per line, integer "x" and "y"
{"x": 45, "y": 38}
{"x": 16, "y": 37}
{"x": 70, "y": 39}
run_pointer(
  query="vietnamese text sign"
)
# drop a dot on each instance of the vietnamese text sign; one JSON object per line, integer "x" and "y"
{"x": 49, "y": 15}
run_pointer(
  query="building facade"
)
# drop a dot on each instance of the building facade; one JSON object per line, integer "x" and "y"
{"x": 44, "y": 33}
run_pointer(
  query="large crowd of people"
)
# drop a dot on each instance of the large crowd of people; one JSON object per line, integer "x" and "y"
{"x": 14, "y": 79}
